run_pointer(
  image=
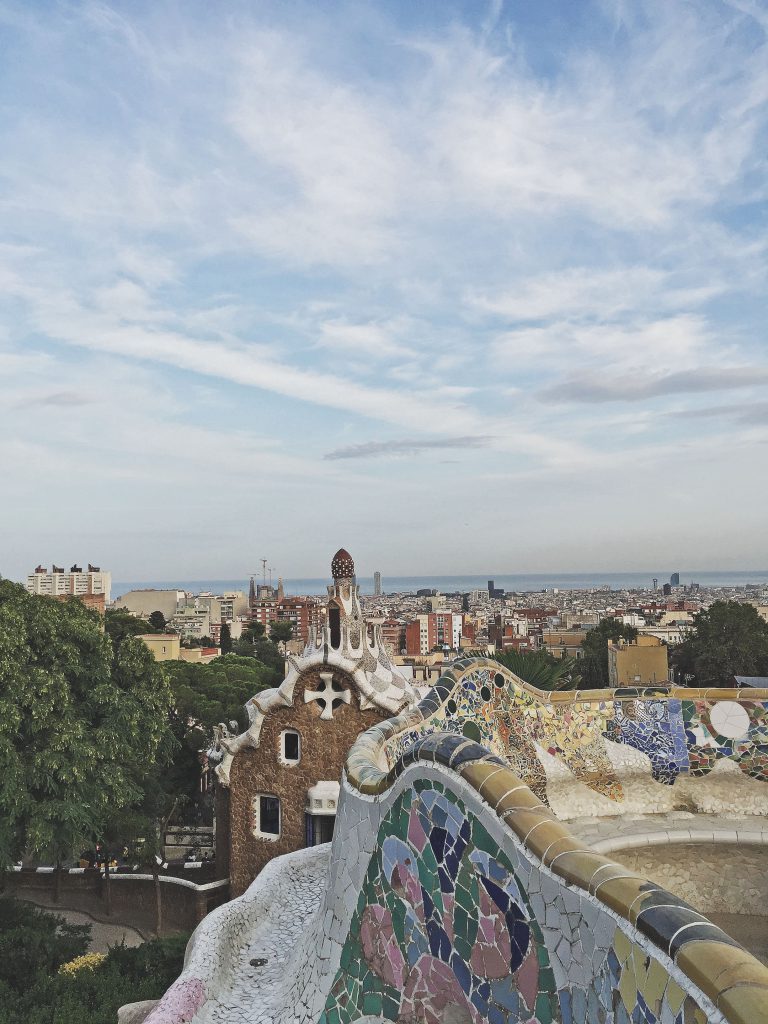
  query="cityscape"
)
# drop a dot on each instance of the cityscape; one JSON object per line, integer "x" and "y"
{"x": 384, "y": 563}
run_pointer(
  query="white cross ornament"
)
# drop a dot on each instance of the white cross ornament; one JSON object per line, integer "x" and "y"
{"x": 329, "y": 695}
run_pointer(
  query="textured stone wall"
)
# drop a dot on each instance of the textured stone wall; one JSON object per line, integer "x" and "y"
{"x": 324, "y": 746}
{"x": 717, "y": 879}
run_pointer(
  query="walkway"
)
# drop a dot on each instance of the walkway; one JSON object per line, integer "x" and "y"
{"x": 620, "y": 832}
{"x": 103, "y": 933}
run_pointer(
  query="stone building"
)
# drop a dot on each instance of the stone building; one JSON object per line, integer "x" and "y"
{"x": 279, "y": 780}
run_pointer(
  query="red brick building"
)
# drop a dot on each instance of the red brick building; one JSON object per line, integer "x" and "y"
{"x": 304, "y": 613}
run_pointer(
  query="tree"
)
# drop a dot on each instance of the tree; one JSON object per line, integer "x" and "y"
{"x": 119, "y": 624}
{"x": 594, "y": 661}
{"x": 81, "y": 725}
{"x": 198, "y": 641}
{"x": 541, "y": 669}
{"x": 225, "y": 639}
{"x": 727, "y": 639}
{"x": 254, "y": 644}
{"x": 204, "y": 695}
{"x": 157, "y": 621}
{"x": 281, "y": 631}
{"x": 245, "y": 645}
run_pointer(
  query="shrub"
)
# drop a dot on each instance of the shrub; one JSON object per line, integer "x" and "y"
{"x": 46, "y": 977}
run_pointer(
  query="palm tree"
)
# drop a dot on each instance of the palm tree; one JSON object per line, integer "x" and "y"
{"x": 540, "y": 669}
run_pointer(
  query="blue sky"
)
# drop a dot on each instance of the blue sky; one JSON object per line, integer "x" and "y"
{"x": 462, "y": 287}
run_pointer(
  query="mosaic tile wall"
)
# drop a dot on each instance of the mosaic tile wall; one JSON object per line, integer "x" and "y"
{"x": 681, "y": 731}
{"x": 448, "y": 918}
{"x": 455, "y": 896}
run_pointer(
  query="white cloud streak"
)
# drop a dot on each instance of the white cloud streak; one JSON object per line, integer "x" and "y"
{"x": 431, "y": 229}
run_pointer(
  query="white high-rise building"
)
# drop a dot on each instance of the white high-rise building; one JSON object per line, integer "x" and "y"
{"x": 377, "y": 584}
{"x": 78, "y": 582}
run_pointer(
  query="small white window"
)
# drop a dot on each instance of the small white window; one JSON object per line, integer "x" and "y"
{"x": 267, "y": 816}
{"x": 290, "y": 747}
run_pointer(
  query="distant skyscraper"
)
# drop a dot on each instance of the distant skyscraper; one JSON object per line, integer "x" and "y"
{"x": 674, "y": 579}
{"x": 377, "y": 584}
{"x": 491, "y": 587}
{"x": 655, "y": 583}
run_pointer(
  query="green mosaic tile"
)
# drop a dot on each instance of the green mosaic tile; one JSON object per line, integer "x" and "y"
{"x": 544, "y": 1008}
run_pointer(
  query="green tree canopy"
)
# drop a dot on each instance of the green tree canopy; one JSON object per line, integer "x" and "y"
{"x": 281, "y": 631}
{"x": 157, "y": 621}
{"x": 253, "y": 643}
{"x": 727, "y": 639}
{"x": 80, "y": 724}
{"x": 594, "y": 661}
{"x": 204, "y": 695}
{"x": 225, "y": 639}
{"x": 120, "y": 624}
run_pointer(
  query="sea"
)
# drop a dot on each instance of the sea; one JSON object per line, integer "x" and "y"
{"x": 512, "y": 583}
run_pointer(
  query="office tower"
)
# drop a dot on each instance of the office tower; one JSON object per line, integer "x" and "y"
{"x": 377, "y": 584}
{"x": 674, "y": 579}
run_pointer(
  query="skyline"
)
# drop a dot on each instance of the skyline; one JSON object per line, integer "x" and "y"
{"x": 516, "y": 582}
{"x": 460, "y": 284}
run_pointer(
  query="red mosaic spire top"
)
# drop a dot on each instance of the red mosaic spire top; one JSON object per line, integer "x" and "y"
{"x": 342, "y": 566}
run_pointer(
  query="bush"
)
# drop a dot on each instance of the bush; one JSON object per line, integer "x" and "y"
{"x": 45, "y": 978}
{"x": 34, "y": 941}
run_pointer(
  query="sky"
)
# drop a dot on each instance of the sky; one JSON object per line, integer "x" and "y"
{"x": 464, "y": 287}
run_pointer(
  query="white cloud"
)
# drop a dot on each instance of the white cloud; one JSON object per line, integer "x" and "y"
{"x": 594, "y": 293}
{"x": 372, "y": 339}
{"x": 667, "y": 344}
{"x": 335, "y": 222}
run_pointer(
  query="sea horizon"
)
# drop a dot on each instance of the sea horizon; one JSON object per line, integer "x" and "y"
{"x": 511, "y": 582}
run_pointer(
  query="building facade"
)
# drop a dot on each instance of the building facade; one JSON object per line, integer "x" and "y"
{"x": 75, "y": 583}
{"x": 279, "y": 780}
{"x": 563, "y": 643}
{"x": 164, "y": 646}
{"x": 305, "y": 614}
{"x": 434, "y": 629}
{"x": 144, "y": 602}
{"x": 642, "y": 662}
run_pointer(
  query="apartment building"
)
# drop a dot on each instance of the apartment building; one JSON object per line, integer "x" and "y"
{"x": 642, "y": 662}
{"x": 76, "y": 582}
{"x": 303, "y": 613}
{"x": 433, "y": 629}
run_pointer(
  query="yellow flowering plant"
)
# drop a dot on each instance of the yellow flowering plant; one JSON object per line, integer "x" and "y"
{"x": 86, "y": 962}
